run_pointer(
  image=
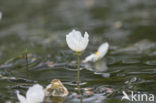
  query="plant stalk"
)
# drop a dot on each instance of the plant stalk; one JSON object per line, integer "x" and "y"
{"x": 78, "y": 69}
{"x": 27, "y": 63}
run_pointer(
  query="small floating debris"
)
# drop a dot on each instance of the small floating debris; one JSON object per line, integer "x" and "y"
{"x": 96, "y": 95}
{"x": 87, "y": 92}
{"x": 105, "y": 90}
{"x": 118, "y": 24}
{"x": 50, "y": 64}
{"x": 56, "y": 89}
{"x": 101, "y": 52}
{"x": 35, "y": 94}
{"x": 8, "y": 102}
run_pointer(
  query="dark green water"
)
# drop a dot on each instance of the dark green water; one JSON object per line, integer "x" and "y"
{"x": 41, "y": 26}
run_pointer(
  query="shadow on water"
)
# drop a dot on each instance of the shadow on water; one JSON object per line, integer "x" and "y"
{"x": 41, "y": 26}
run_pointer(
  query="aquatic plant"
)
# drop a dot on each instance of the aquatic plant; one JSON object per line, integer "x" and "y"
{"x": 77, "y": 43}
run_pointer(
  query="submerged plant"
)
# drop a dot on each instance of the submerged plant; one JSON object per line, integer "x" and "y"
{"x": 77, "y": 43}
{"x": 35, "y": 94}
{"x": 101, "y": 52}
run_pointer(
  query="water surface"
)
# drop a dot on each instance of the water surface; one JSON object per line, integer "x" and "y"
{"x": 41, "y": 26}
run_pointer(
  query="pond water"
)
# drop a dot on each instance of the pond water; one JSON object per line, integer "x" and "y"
{"x": 41, "y": 27}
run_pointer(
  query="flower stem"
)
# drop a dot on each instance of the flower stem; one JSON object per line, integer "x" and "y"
{"x": 78, "y": 75}
{"x": 78, "y": 69}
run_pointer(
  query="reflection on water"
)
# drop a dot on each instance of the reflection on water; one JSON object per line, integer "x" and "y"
{"x": 101, "y": 66}
{"x": 41, "y": 26}
{"x": 1, "y": 15}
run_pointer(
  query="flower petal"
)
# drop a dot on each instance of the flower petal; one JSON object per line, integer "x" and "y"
{"x": 21, "y": 98}
{"x": 35, "y": 94}
{"x": 91, "y": 57}
{"x": 102, "y": 50}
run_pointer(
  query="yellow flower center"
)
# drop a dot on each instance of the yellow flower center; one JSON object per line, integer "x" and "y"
{"x": 55, "y": 85}
{"x": 97, "y": 53}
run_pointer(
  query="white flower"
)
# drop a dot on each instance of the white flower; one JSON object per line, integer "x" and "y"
{"x": 76, "y": 42}
{"x": 101, "y": 52}
{"x": 35, "y": 94}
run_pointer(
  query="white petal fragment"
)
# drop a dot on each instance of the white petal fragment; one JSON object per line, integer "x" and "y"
{"x": 101, "y": 52}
